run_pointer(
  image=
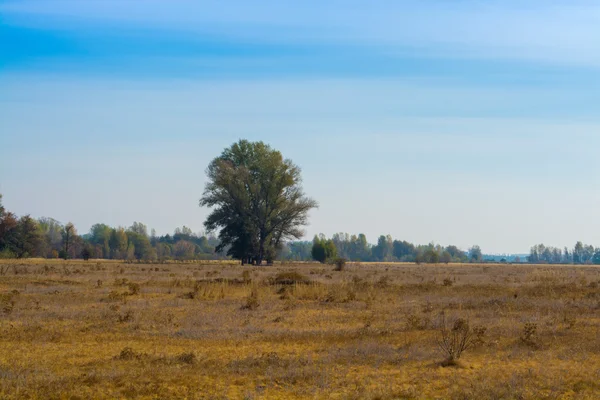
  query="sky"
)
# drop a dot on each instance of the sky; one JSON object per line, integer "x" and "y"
{"x": 456, "y": 122}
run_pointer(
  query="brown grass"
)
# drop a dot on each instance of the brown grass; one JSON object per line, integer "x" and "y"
{"x": 216, "y": 330}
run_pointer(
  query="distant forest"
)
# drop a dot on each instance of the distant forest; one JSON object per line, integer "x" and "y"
{"x": 24, "y": 237}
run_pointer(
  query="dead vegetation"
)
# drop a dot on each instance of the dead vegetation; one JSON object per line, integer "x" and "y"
{"x": 370, "y": 331}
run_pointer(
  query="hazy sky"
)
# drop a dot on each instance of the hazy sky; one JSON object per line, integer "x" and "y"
{"x": 459, "y": 122}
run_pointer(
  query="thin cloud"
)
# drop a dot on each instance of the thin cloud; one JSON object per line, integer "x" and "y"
{"x": 561, "y": 33}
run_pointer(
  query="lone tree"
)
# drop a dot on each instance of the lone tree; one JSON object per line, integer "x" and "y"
{"x": 257, "y": 201}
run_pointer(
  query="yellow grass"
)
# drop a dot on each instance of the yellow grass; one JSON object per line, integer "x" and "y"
{"x": 104, "y": 329}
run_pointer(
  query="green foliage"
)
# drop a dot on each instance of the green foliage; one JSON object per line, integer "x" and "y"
{"x": 323, "y": 249}
{"x": 403, "y": 250}
{"x": 6, "y": 254}
{"x": 139, "y": 246}
{"x": 432, "y": 256}
{"x": 257, "y": 201}
{"x": 51, "y": 231}
{"x": 384, "y": 249}
{"x": 100, "y": 237}
{"x": 596, "y": 257}
{"x": 118, "y": 243}
{"x": 23, "y": 238}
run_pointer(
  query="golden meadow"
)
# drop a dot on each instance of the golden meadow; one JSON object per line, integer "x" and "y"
{"x": 214, "y": 330}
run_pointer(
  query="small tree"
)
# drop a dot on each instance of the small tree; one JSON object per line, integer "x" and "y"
{"x": 323, "y": 249}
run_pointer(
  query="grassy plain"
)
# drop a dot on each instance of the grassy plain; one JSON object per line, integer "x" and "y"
{"x": 100, "y": 329}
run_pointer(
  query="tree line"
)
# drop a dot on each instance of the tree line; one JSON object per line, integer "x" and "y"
{"x": 579, "y": 254}
{"x": 23, "y": 237}
{"x": 356, "y": 248}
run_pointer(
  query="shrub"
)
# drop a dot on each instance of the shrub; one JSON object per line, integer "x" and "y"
{"x": 128, "y": 354}
{"x": 415, "y": 322}
{"x": 528, "y": 335}
{"x": 252, "y": 300}
{"x": 289, "y": 278}
{"x": 7, "y": 254}
{"x": 127, "y": 316}
{"x": 447, "y": 282}
{"x": 339, "y": 294}
{"x": 115, "y": 296}
{"x": 134, "y": 288}
{"x": 246, "y": 276}
{"x": 455, "y": 338}
{"x": 186, "y": 358}
{"x": 340, "y": 264}
{"x": 479, "y": 331}
{"x": 7, "y": 303}
{"x": 383, "y": 282}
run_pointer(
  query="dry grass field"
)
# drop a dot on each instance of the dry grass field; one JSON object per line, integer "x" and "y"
{"x": 99, "y": 329}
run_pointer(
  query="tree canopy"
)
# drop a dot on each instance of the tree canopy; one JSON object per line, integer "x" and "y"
{"x": 257, "y": 200}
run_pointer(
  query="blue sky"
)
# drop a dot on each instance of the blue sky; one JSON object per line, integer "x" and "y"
{"x": 456, "y": 122}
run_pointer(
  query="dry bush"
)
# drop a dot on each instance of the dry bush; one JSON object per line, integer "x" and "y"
{"x": 304, "y": 340}
{"x": 339, "y": 293}
{"x": 289, "y": 278}
{"x": 252, "y": 301}
{"x": 7, "y": 303}
{"x": 121, "y": 282}
{"x": 4, "y": 269}
{"x": 117, "y": 296}
{"x": 134, "y": 288}
{"x": 246, "y": 276}
{"x": 529, "y": 334}
{"x": 314, "y": 291}
{"x": 285, "y": 293}
{"x": 383, "y": 282}
{"x": 456, "y": 337}
{"x": 186, "y": 358}
{"x": 127, "y": 316}
{"x": 415, "y": 322}
{"x": 128, "y": 354}
{"x": 340, "y": 264}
